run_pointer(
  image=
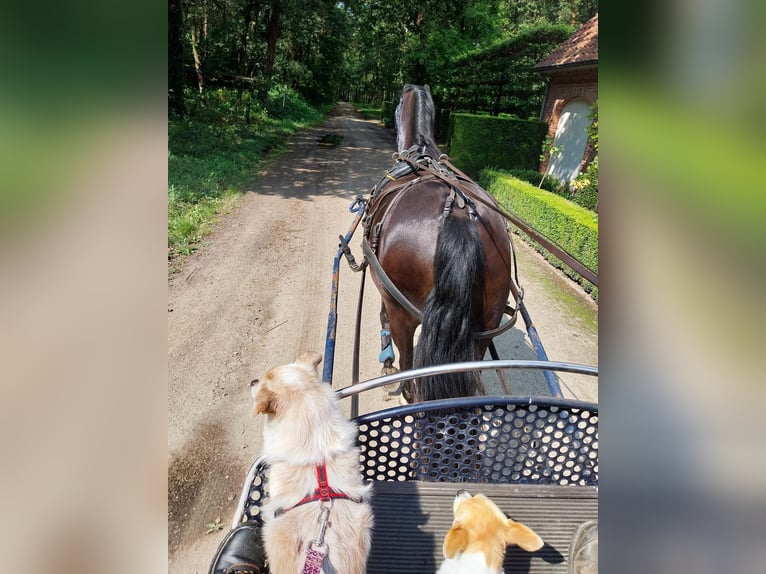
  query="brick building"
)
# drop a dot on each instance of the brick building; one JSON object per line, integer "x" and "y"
{"x": 572, "y": 72}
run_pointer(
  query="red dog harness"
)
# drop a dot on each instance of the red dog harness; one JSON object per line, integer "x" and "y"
{"x": 317, "y": 549}
{"x": 323, "y": 492}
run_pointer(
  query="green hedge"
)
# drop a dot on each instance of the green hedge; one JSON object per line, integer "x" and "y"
{"x": 442, "y": 125}
{"x": 549, "y": 183}
{"x": 569, "y": 225}
{"x": 478, "y": 142}
{"x": 501, "y": 78}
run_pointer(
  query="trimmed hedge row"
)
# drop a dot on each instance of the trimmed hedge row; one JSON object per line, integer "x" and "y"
{"x": 535, "y": 177}
{"x": 477, "y": 142}
{"x": 500, "y": 78}
{"x": 569, "y": 225}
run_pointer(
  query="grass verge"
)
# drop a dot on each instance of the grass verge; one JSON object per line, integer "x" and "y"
{"x": 369, "y": 111}
{"x": 213, "y": 155}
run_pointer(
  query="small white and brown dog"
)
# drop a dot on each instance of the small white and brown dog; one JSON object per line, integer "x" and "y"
{"x": 479, "y": 535}
{"x": 314, "y": 466}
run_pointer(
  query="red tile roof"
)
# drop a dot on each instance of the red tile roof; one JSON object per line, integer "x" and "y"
{"x": 581, "y": 48}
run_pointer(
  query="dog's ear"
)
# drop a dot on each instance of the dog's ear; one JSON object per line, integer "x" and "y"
{"x": 455, "y": 541}
{"x": 310, "y": 359}
{"x": 265, "y": 403}
{"x": 523, "y": 536}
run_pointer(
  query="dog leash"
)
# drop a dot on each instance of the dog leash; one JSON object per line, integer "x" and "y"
{"x": 317, "y": 548}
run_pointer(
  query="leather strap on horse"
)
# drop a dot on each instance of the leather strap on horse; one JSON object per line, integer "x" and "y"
{"x": 465, "y": 184}
{"x": 424, "y": 168}
{"x": 554, "y": 248}
{"x": 415, "y": 312}
{"x": 387, "y": 283}
{"x": 461, "y": 187}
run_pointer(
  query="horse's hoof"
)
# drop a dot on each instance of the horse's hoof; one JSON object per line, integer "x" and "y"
{"x": 406, "y": 397}
{"x": 395, "y": 389}
{"x": 388, "y": 371}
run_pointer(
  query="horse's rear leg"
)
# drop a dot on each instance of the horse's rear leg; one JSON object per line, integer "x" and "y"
{"x": 387, "y": 355}
{"x": 403, "y": 326}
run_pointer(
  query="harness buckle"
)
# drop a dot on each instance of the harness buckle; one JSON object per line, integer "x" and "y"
{"x": 448, "y": 204}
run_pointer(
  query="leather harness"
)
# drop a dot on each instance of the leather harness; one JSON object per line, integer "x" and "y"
{"x": 396, "y": 182}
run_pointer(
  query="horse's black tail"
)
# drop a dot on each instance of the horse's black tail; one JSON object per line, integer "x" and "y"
{"x": 446, "y": 334}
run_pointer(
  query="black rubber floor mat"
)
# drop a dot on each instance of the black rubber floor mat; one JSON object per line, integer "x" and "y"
{"x": 412, "y": 518}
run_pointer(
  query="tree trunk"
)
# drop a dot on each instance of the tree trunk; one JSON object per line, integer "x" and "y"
{"x": 197, "y": 59}
{"x": 175, "y": 59}
{"x": 271, "y": 46}
{"x": 242, "y": 56}
{"x": 248, "y": 19}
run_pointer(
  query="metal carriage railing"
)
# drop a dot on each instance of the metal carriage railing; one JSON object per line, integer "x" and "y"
{"x": 498, "y": 439}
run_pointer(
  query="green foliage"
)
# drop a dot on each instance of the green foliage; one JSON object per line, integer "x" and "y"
{"x": 533, "y": 176}
{"x": 571, "y": 226}
{"x": 212, "y": 156}
{"x": 285, "y": 103}
{"x": 189, "y": 221}
{"x": 357, "y": 50}
{"x": 593, "y": 127}
{"x": 442, "y": 126}
{"x": 518, "y": 13}
{"x": 388, "y": 113}
{"x": 369, "y": 111}
{"x": 549, "y": 150}
{"x": 584, "y": 189}
{"x": 477, "y": 142}
{"x": 529, "y": 175}
{"x": 240, "y": 44}
{"x": 312, "y": 49}
{"x": 399, "y": 41}
{"x": 500, "y": 78}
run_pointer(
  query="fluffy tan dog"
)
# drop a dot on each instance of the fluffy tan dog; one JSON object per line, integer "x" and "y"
{"x": 307, "y": 437}
{"x": 479, "y": 535}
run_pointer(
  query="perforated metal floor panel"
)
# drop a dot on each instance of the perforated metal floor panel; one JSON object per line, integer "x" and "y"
{"x": 412, "y": 518}
{"x": 512, "y": 440}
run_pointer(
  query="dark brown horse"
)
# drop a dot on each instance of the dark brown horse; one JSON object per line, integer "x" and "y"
{"x": 444, "y": 248}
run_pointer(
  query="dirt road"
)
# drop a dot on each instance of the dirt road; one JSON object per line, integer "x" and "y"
{"x": 257, "y": 294}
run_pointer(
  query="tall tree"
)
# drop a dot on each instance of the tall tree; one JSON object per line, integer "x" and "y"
{"x": 175, "y": 59}
{"x": 272, "y": 35}
{"x": 197, "y": 20}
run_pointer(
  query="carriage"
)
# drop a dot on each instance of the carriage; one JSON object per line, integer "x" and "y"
{"x": 536, "y": 457}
